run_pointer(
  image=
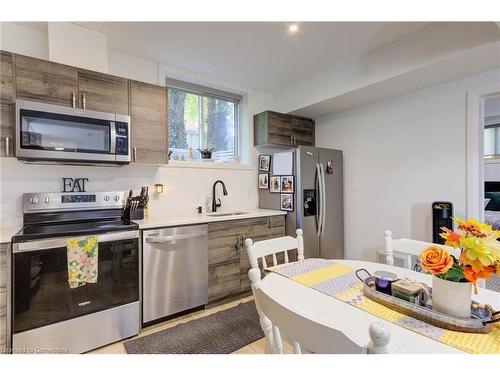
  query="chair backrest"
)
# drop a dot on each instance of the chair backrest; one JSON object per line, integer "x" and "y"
{"x": 409, "y": 248}
{"x": 308, "y": 336}
{"x": 274, "y": 246}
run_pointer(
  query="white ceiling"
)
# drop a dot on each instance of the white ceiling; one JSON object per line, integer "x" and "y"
{"x": 261, "y": 55}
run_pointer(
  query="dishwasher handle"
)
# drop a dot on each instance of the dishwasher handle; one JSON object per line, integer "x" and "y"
{"x": 174, "y": 237}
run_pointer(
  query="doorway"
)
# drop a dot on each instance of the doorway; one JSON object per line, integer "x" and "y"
{"x": 491, "y": 161}
{"x": 483, "y": 161}
{"x": 481, "y": 111}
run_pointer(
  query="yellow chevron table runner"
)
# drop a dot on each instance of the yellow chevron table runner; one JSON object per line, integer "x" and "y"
{"x": 339, "y": 281}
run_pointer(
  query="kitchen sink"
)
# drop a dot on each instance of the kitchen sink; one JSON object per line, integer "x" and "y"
{"x": 237, "y": 213}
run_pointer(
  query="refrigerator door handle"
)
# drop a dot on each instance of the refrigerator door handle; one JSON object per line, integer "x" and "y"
{"x": 319, "y": 213}
{"x": 323, "y": 198}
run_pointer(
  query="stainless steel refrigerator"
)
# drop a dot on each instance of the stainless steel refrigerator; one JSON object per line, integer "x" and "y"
{"x": 318, "y": 200}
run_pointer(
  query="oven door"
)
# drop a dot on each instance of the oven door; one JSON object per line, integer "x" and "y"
{"x": 50, "y": 132}
{"x": 41, "y": 293}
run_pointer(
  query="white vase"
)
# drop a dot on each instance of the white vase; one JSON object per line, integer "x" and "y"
{"x": 451, "y": 298}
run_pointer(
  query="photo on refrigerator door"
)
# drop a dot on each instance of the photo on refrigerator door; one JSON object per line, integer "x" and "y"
{"x": 287, "y": 202}
{"x": 287, "y": 185}
{"x": 263, "y": 181}
{"x": 264, "y": 163}
{"x": 275, "y": 184}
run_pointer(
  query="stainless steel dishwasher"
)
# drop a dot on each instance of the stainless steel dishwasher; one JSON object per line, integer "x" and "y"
{"x": 175, "y": 270}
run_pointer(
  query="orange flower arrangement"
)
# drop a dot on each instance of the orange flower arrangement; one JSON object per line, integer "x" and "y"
{"x": 479, "y": 253}
{"x": 436, "y": 260}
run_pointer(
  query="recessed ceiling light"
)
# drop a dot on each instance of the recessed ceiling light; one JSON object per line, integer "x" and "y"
{"x": 293, "y": 28}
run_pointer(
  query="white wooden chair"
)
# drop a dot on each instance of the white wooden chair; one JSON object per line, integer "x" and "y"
{"x": 261, "y": 250}
{"x": 274, "y": 246}
{"x": 308, "y": 336}
{"x": 405, "y": 250}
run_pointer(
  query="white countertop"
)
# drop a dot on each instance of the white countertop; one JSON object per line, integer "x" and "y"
{"x": 158, "y": 221}
{"x": 7, "y": 231}
{"x": 187, "y": 219}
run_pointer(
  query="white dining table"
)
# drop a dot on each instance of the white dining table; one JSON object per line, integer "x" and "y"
{"x": 354, "y": 322}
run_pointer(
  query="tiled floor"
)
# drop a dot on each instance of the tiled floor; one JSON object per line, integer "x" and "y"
{"x": 255, "y": 348}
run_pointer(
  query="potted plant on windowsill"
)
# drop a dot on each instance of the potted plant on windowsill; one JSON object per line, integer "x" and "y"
{"x": 453, "y": 279}
{"x": 206, "y": 153}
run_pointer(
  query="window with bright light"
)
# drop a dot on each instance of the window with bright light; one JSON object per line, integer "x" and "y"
{"x": 200, "y": 120}
{"x": 492, "y": 140}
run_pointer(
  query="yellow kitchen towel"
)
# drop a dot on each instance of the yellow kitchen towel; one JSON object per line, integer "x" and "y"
{"x": 82, "y": 260}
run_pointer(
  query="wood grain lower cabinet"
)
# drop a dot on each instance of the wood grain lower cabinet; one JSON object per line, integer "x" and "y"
{"x": 148, "y": 116}
{"x": 257, "y": 229}
{"x": 7, "y": 99}
{"x": 45, "y": 81}
{"x": 223, "y": 258}
{"x": 223, "y": 280}
{"x": 4, "y": 250}
{"x": 228, "y": 263}
{"x": 103, "y": 92}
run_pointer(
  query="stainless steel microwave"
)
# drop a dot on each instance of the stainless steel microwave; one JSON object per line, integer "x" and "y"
{"x": 46, "y": 132}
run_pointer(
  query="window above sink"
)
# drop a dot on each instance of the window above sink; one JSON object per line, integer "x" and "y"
{"x": 202, "y": 118}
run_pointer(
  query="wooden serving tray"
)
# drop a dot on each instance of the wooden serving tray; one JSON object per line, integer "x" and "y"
{"x": 426, "y": 314}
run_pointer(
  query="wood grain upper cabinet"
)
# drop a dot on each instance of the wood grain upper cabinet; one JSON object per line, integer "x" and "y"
{"x": 7, "y": 99}
{"x": 303, "y": 131}
{"x": 273, "y": 128}
{"x": 45, "y": 81}
{"x": 103, "y": 92}
{"x": 148, "y": 118}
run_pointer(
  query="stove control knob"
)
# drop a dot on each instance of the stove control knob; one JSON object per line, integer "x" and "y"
{"x": 47, "y": 200}
{"x": 34, "y": 200}
{"x": 106, "y": 198}
{"x": 117, "y": 198}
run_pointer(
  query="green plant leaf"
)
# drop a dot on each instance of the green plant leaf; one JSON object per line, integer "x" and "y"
{"x": 455, "y": 273}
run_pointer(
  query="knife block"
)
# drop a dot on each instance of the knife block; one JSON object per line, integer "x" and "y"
{"x": 130, "y": 214}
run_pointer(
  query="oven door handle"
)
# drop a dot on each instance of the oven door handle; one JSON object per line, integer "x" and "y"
{"x": 52, "y": 243}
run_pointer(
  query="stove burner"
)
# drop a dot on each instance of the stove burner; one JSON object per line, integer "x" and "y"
{"x": 32, "y": 232}
{"x": 48, "y": 215}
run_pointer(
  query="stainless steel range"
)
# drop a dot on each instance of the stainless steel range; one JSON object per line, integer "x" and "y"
{"x": 47, "y": 315}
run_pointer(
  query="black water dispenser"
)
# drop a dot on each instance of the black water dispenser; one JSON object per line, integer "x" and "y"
{"x": 442, "y": 213}
{"x": 309, "y": 202}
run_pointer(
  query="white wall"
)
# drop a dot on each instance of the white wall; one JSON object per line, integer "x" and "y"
{"x": 186, "y": 188}
{"x": 24, "y": 40}
{"x": 133, "y": 67}
{"x": 400, "y": 155}
{"x": 78, "y": 46}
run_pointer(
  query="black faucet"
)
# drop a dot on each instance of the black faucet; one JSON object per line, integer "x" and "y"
{"x": 224, "y": 191}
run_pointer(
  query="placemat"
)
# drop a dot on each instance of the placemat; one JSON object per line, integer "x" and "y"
{"x": 339, "y": 281}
